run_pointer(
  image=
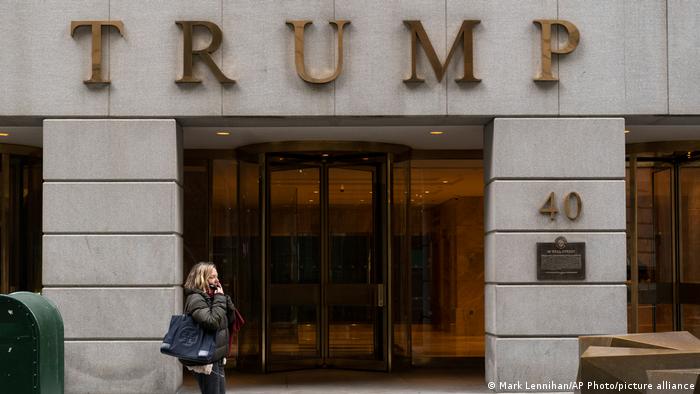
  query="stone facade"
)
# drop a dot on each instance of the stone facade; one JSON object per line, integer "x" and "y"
{"x": 635, "y": 57}
{"x": 526, "y": 317}
{"x": 112, "y": 257}
{"x": 112, "y": 206}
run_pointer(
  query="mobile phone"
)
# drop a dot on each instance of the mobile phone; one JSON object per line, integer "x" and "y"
{"x": 213, "y": 287}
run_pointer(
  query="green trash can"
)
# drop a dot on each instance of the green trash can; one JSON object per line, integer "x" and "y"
{"x": 31, "y": 345}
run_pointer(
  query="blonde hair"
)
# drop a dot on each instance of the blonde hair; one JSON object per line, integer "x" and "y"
{"x": 197, "y": 278}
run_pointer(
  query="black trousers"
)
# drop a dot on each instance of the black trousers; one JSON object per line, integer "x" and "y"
{"x": 214, "y": 383}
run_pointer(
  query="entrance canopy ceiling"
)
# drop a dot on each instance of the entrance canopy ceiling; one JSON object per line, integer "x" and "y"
{"x": 457, "y": 133}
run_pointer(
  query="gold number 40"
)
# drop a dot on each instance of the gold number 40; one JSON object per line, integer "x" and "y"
{"x": 550, "y": 206}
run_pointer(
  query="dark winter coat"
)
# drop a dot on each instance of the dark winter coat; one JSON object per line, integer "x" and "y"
{"x": 213, "y": 314}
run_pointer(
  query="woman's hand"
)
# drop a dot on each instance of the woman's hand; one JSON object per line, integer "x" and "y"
{"x": 219, "y": 290}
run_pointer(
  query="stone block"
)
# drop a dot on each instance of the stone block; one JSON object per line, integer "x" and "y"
{"x": 378, "y": 59}
{"x": 146, "y": 62}
{"x": 515, "y": 205}
{"x": 554, "y": 148}
{"x": 615, "y": 366}
{"x": 116, "y": 313}
{"x": 684, "y": 58}
{"x": 123, "y": 149}
{"x": 112, "y": 207}
{"x": 512, "y": 361}
{"x": 562, "y": 310}
{"x": 93, "y": 260}
{"x": 505, "y": 36}
{"x": 259, "y": 53}
{"x": 43, "y": 67}
{"x": 619, "y": 66}
{"x": 118, "y": 367}
{"x": 512, "y": 257}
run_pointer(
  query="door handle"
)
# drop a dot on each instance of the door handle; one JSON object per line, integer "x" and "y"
{"x": 380, "y": 295}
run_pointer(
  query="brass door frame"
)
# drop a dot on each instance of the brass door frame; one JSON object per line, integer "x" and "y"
{"x": 380, "y": 224}
{"x": 653, "y": 152}
{"x": 323, "y": 146}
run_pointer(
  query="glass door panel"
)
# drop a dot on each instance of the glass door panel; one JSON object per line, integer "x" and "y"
{"x": 248, "y": 279}
{"x": 20, "y": 220}
{"x": 689, "y": 217}
{"x": 355, "y": 290}
{"x": 656, "y": 269}
{"x": 294, "y": 230}
{"x": 400, "y": 265}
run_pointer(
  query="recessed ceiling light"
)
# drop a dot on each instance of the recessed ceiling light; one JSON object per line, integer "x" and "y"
{"x": 315, "y": 191}
{"x": 4, "y": 134}
{"x": 444, "y": 181}
{"x": 437, "y": 132}
{"x": 223, "y": 133}
{"x": 325, "y": 155}
{"x": 365, "y": 158}
{"x": 627, "y": 131}
{"x": 427, "y": 192}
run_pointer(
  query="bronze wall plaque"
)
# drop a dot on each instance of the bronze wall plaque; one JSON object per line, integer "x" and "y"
{"x": 561, "y": 260}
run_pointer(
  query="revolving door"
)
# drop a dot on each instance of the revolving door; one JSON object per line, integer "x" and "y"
{"x": 325, "y": 236}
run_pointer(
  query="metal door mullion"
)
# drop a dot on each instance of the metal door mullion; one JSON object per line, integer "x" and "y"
{"x": 263, "y": 203}
{"x": 634, "y": 262}
{"x": 325, "y": 263}
{"x": 675, "y": 236}
{"x": 388, "y": 337}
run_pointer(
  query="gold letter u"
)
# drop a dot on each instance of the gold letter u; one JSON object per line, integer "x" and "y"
{"x": 299, "y": 27}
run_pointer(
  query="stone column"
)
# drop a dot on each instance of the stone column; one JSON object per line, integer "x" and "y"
{"x": 112, "y": 249}
{"x": 532, "y": 325}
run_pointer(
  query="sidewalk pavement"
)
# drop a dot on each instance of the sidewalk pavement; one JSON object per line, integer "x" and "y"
{"x": 330, "y": 381}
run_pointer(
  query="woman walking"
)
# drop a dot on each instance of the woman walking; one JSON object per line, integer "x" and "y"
{"x": 214, "y": 311}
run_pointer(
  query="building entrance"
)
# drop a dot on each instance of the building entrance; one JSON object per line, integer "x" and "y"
{"x": 326, "y": 240}
{"x": 349, "y": 255}
{"x": 663, "y": 246}
{"x": 20, "y": 218}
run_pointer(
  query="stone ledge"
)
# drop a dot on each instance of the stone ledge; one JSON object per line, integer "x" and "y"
{"x": 555, "y": 310}
{"x": 112, "y": 149}
{"x": 511, "y": 257}
{"x": 554, "y": 148}
{"x": 515, "y": 206}
{"x": 117, "y": 367}
{"x": 532, "y": 360}
{"x": 114, "y": 313}
{"x": 142, "y": 260}
{"x": 112, "y": 207}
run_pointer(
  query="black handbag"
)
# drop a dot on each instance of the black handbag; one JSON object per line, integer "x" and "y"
{"x": 188, "y": 341}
